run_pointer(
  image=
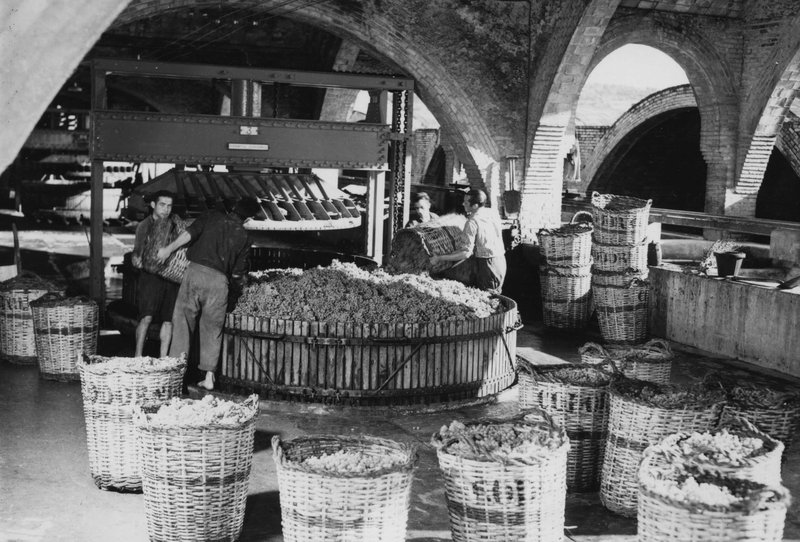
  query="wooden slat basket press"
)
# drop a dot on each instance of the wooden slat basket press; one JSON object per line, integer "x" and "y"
{"x": 110, "y": 388}
{"x": 669, "y": 513}
{"x": 195, "y": 467}
{"x": 651, "y": 361}
{"x": 17, "y": 338}
{"x": 577, "y": 399}
{"x": 344, "y": 488}
{"x": 643, "y": 413}
{"x": 65, "y": 329}
{"x": 371, "y": 363}
{"x": 494, "y": 495}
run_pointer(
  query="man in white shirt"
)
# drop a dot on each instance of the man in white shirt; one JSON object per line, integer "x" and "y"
{"x": 482, "y": 244}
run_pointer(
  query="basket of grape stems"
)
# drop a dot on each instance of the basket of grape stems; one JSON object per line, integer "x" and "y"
{"x": 343, "y": 488}
{"x": 505, "y": 479}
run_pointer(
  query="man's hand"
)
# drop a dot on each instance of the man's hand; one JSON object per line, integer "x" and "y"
{"x": 136, "y": 260}
{"x": 163, "y": 254}
{"x": 434, "y": 260}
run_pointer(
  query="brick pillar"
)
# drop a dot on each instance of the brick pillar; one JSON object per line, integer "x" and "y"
{"x": 541, "y": 191}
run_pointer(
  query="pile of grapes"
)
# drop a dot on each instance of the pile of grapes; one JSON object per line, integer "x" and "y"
{"x": 207, "y": 411}
{"x": 505, "y": 442}
{"x": 720, "y": 448}
{"x": 351, "y": 462}
{"x": 345, "y": 293}
{"x": 667, "y": 396}
{"x": 140, "y": 364}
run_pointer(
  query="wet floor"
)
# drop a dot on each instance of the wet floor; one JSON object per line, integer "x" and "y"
{"x": 47, "y": 493}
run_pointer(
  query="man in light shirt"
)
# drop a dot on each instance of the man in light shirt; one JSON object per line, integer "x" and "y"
{"x": 482, "y": 244}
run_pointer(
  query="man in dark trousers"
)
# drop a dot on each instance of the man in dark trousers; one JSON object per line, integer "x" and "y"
{"x": 217, "y": 254}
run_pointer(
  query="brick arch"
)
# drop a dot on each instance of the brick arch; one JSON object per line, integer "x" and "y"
{"x": 678, "y": 97}
{"x": 712, "y": 81}
{"x": 774, "y": 90}
{"x": 441, "y": 92}
{"x": 788, "y": 142}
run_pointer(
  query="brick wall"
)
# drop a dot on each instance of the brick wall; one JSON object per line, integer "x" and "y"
{"x": 423, "y": 145}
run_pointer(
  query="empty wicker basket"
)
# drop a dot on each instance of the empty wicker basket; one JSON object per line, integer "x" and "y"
{"x": 344, "y": 489}
{"x": 110, "y": 388}
{"x": 641, "y": 414}
{"x": 497, "y": 497}
{"x": 196, "y": 473}
{"x": 651, "y": 361}
{"x": 577, "y": 399}
{"x": 619, "y": 220}
{"x": 666, "y": 513}
{"x": 568, "y": 246}
{"x": 65, "y": 330}
{"x": 566, "y": 296}
{"x": 17, "y": 340}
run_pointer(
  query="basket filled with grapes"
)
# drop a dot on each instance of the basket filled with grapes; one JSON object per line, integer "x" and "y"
{"x": 110, "y": 387}
{"x": 651, "y": 361}
{"x": 643, "y": 413}
{"x": 774, "y": 411}
{"x": 196, "y": 457}
{"x": 577, "y": 399}
{"x": 736, "y": 449}
{"x": 344, "y": 488}
{"x": 504, "y": 479}
{"x": 678, "y": 503}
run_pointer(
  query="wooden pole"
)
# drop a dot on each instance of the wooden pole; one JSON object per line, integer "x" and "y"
{"x": 96, "y": 264}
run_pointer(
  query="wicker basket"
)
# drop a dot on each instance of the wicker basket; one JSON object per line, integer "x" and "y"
{"x": 617, "y": 278}
{"x": 634, "y": 424}
{"x": 175, "y": 266}
{"x": 332, "y": 506}
{"x": 567, "y": 246}
{"x": 17, "y": 336}
{"x": 622, "y": 311}
{"x": 566, "y": 297}
{"x": 579, "y": 406}
{"x": 619, "y": 220}
{"x": 65, "y": 329}
{"x": 617, "y": 258}
{"x": 195, "y": 477}
{"x": 763, "y": 467}
{"x": 512, "y": 500}
{"x": 759, "y": 515}
{"x": 109, "y": 390}
{"x": 651, "y": 361}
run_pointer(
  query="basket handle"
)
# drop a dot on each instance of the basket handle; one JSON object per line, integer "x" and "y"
{"x": 657, "y": 346}
{"x": 593, "y": 349}
{"x": 580, "y": 213}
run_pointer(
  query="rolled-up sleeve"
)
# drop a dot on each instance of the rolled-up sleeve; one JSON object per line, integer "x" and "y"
{"x": 468, "y": 238}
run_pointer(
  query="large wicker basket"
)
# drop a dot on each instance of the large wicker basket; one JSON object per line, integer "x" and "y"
{"x": 618, "y": 258}
{"x": 567, "y": 246}
{"x": 762, "y": 465}
{"x": 775, "y": 413}
{"x": 17, "y": 336}
{"x": 65, "y": 329}
{"x": 758, "y": 515}
{"x": 577, "y": 399}
{"x": 622, "y": 311}
{"x": 110, "y": 387}
{"x": 619, "y": 220}
{"x": 651, "y": 361}
{"x": 333, "y": 506}
{"x": 634, "y": 424}
{"x": 511, "y": 500}
{"x": 195, "y": 477}
{"x": 566, "y": 296}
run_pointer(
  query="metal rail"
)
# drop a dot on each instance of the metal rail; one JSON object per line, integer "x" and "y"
{"x": 673, "y": 217}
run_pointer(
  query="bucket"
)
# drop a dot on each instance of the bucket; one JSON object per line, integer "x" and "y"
{"x": 729, "y": 263}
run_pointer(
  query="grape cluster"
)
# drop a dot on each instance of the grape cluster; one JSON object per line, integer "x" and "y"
{"x": 209, "y": 410}
{"x": 350, "y": 462}
{"x": 143, "y": 364}
{"x": 345, "y": 293}
{"x": 503, "y": 442}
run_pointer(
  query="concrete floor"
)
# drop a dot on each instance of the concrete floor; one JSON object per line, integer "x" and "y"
{"x": 47, "y": 493}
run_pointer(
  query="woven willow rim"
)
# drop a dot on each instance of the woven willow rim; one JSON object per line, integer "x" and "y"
{"x": 51, "y": 299}
{"x": 534, "y": 416}
{"x": 559, "y": 374}
{"x": 98, "y": 365}
{"x": 142, "y": 418}
{"x": 408, "y": 451}
{"x": 654, "y": 351}
{"x": 758, "y": 501}
{"x": 569, "y": 230}
{"x": 630, "y": 203}
{"x": 624, "y": 387}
